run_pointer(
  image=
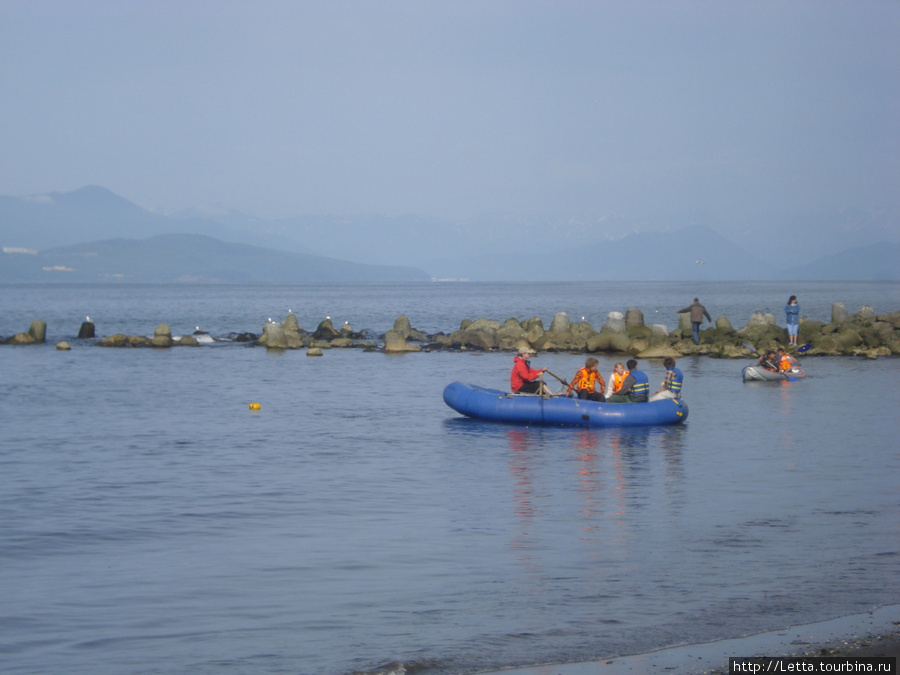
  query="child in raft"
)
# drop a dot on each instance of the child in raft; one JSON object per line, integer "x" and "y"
{"x": 585, "y": 381}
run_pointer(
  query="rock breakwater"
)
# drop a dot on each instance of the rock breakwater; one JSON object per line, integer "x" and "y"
{"x": 861, "y": 334}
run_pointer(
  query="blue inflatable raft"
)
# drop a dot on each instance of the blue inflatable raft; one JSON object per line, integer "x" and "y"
{"x": 498, "y": 406}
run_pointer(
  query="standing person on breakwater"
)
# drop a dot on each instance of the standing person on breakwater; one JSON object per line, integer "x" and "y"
{"x": 635, "y": 388}
{"x": 585, "y": 381}
{"x": 792, "y": 316}
{"x": 524, "y": 379}
{"x": 615, "y": 380}
{"x": 697, "y": 311}
{"x": 671, "y": 385}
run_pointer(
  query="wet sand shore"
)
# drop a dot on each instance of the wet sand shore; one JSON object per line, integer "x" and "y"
{"x": 875, "y": 633}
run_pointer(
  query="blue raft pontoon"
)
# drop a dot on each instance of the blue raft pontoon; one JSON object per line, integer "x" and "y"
{"x": 498, "y": 406}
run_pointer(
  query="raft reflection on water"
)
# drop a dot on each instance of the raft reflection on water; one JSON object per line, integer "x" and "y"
{"x": 610, "y": 475}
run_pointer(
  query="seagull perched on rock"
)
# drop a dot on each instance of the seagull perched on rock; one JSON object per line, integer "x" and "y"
{"x": 88, "y": 319}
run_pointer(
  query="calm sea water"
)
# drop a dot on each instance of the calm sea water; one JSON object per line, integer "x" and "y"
{"x": 150, "y": 522}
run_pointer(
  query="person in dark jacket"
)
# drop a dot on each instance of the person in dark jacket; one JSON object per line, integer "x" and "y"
{"x": 635, "y": 388}
{"x": 697, "y": 311}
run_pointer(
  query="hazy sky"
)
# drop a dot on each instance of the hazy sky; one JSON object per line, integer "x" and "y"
{"x": 454, "y": 108}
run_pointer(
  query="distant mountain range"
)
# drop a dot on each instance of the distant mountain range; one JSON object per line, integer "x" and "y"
{"x": 92, "y": 234}
{"x": 188, "y": 258}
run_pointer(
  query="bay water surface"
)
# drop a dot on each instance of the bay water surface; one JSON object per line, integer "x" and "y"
{"x": 150, "y": 522}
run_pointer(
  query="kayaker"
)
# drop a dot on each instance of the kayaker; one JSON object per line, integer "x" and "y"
{"x": 697, "y": 311}
{"x": 768, "y": 361}
{"x": 635, "y": 388}
{"x": 616, "y": 379}
{"x": 524, "y": 379}
{"x": 792, "y": 316}
{"x": 671, "y": 385}
{"x": 585, "y": 381}
{"x": 785, "y": 361}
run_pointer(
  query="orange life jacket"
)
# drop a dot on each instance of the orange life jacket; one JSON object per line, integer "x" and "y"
{"x": 586, "y": 379}
{"x": 787, "y": 362}
{"x": 617, "y": 380}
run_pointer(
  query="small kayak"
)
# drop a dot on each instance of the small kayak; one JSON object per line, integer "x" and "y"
{"x": 760, "y": 374}
{"x": 498, "y": 406}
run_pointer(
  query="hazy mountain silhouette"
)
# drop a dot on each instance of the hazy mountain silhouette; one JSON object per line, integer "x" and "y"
{"x": 188, "y": 257}
{"x": 500, "y": 247}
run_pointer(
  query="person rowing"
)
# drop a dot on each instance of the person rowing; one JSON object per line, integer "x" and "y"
{"x": 524, "y": 379}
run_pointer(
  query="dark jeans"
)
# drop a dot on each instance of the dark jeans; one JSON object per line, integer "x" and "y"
{"x": 696, "y": 326}
{"x": 586, "y": 394}
{"x": 533, "y": 387}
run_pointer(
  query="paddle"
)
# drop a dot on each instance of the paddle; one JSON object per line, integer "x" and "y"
{"x": 804, "y": 348}
{"x": 558, "y": 377}
{"x": 566, "y": 384}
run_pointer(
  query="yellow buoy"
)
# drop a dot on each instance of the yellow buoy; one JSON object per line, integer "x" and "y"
{"x": 254, "y": 406}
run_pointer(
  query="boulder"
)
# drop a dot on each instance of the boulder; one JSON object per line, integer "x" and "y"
{"x": 599, "y": 342}
{"x": 511, "y": 331}
{"x": 38, "y": 330}
{"x": 484, "y": 325}
{"x": 21, "y": 339}
{"x": 402, "y": 326}
{"x": 293, "y": 336}
{"x": 481, "y": 339}
{"x": 560, "y": 323}
{"x": 326, "y": 331}
{"x": 63, "y": 346}
{"x": 187, "y": 341}
{"x": 733, "y": 351}
{"x": 839, "y": 313}
{"x": 161, "y": 341}
{"x": 865, "y": 315}
{"x": 634, "y": 318}
{"x": 86, "y": 331}
{"x": 273, "y": 336}
{"x": 659, "y": 352}
{"x": 757, "y": 321}
{"x": 615, "y": 323}
{"x": 638, "y": 345}
{"x": 533, "y": 331}
{"x": 619, "y": 342}
{"x": 724, "y": 325}
{"x": 314, "y": 351}
{"x": 137, "y": 341}
{"x": 395, "y": 342}
{"x": 117, "y": 340}
{"x": 659, "y": 336}
{"x": 685, "y": 329}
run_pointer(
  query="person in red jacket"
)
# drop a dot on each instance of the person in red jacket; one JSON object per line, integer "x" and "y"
{"x": 524, "y": 379}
